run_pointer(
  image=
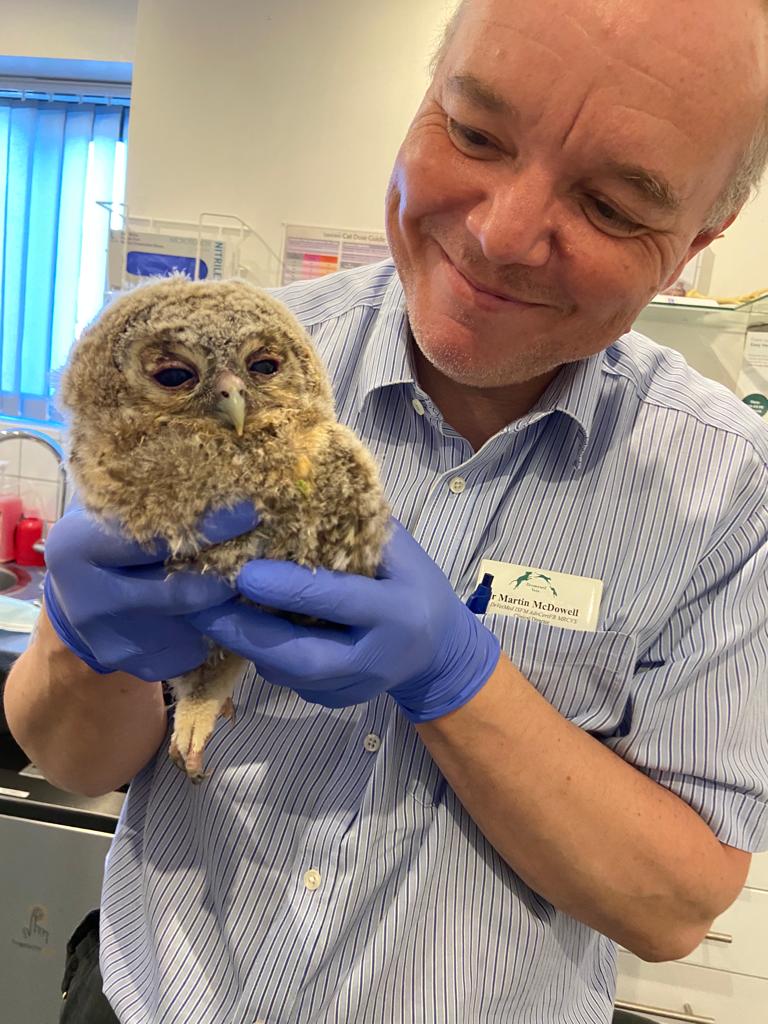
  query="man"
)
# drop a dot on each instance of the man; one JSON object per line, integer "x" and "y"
{"x": 405, "y": 825}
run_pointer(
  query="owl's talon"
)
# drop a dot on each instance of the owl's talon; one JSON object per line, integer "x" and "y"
{"x": 194, "y": 767}
{"x": 190, "y": 763}
{"x": 193, "y": 725}
{"x": 175, "y": 754}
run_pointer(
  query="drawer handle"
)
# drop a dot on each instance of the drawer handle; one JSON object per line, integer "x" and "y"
{"x": 719, "y": 937}
{"x": 687, "y": 1018}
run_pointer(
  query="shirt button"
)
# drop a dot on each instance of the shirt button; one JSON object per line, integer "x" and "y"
{"x": 417, "y": 405}
{"x": 458, "y": 484}
{"x": 312, "y": 879}
{"x": 372, "y": 742}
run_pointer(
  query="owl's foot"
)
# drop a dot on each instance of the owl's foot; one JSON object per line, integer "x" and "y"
{"x": 193, "y": 725}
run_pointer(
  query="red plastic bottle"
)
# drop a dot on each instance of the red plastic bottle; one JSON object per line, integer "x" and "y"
{"x": 29, "y": 530}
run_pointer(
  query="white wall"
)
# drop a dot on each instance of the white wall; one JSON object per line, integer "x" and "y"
{"x": 741, "y": 256}
{"x": 279, "y": 110}
{"x": 289, "y": 110}
{"x": 276, "y": 110}
{"x": 283, "y": 110}
{"x": 72, "y": 29}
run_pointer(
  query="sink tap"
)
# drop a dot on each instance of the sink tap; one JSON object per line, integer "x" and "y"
{"x": 53, "y": 446}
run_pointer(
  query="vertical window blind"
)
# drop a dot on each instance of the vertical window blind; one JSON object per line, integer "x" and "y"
{"x": 60, "y": 156}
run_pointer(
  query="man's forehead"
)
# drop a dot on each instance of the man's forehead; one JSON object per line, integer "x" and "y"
{"x": 651, "y": 185}
{"x": 658, "y": 58}
{"x": 720, "y": 38}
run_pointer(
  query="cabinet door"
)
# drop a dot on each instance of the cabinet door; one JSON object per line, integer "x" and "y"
{"x": 51, "y": 879}
{"x": 693, "y": 995}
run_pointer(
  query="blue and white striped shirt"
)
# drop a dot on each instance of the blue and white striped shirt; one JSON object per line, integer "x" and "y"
{"x": 326, "y": 872}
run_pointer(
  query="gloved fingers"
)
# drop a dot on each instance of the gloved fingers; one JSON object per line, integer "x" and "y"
{"x": 239, "y": 623}
{"x": 322, "y": 593}
{"x": 157, "y": 590}
{"x": 216, "y": 525}
{"x": 225, "y": 523}
{"x": 339, "y": 697}
{"x": 179, "y": 649}
{"x": 283, "y": 651}
{"x": 80, "y": 536}
{"x": 154, "y": 572}
{"x": 403, "y": 556}
{"x": 162, "y": 665}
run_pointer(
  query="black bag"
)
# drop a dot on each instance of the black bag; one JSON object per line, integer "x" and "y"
{"x": 83, "y": 999}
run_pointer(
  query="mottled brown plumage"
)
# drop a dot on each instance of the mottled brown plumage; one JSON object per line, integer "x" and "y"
{"x": 189, "y": 396}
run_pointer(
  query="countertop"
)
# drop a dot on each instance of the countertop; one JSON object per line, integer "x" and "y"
{"x": 29, "y": 589}
{"x": 12, "y": 645}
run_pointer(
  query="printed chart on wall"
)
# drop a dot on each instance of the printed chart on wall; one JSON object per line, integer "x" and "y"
{"x": 315, "y": 251}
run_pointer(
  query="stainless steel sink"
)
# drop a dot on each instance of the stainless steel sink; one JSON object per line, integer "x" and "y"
{"x": 25, "y": 583}
{"x": 9, "y": 580}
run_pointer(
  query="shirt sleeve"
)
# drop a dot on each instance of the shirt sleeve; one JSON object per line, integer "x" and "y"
{"x": 698, "y": 722}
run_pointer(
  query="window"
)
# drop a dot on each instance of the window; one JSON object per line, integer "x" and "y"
{"x": 61, "y": 156}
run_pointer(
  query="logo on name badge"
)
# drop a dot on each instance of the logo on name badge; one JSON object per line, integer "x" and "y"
{"x": 570, "y": 602}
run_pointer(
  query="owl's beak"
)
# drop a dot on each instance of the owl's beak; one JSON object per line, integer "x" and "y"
{"x": 231, "y": 403}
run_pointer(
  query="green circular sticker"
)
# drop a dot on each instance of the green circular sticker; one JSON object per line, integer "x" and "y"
{"x": 757, "y": 402}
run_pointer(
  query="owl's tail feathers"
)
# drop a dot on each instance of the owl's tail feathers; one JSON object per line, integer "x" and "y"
{"x": 202, "y": 696}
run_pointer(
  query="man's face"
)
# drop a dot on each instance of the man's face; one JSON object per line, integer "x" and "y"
{"x": 559, "y": 171}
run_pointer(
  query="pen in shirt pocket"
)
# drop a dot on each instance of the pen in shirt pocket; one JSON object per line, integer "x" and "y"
{"x": 480, "y": 597}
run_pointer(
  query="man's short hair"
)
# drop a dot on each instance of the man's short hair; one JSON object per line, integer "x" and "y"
{"x": 745, "y": 179}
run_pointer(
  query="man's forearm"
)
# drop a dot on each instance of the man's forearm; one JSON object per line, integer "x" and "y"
{"x": 579, "y": 825}
{"x": 87, "y": 733}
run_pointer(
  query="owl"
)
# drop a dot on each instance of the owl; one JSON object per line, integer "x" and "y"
{"x": 187, "y": 396}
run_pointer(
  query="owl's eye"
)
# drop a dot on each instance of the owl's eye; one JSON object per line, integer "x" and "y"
{"x": 264, "y": 366}
{"x": 174, "y": 376}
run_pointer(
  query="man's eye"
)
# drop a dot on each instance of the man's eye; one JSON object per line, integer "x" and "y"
{"x": 611, "y": 219}
{"x": 174, "y": 376}
{"x": 266, "y": 367}
{"x": 467, "y": 138}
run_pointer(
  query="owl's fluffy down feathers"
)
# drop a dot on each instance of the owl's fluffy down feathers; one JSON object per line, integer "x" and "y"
{"x": 157, "y": 466}
{"x": 157, "y": 457}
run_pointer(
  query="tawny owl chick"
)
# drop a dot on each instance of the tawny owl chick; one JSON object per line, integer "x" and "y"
{"x": 189, "y": 396}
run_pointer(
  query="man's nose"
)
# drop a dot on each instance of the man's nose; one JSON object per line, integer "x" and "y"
{"x": 513, "y": 221}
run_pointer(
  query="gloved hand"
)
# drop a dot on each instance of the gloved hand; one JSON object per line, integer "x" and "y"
{"x": 117, "y": 607}
{"x": 405, "y": 632}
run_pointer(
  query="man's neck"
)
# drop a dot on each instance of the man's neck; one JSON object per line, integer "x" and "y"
{"x": 478, "y": 413}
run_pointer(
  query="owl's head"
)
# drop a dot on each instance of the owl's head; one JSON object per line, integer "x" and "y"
{"x": 221, "y": 352}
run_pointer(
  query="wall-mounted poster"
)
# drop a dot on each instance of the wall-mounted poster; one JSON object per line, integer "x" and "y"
{"x": 310, "y": 252}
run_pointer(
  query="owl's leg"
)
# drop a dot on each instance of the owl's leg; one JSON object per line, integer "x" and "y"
{"x": 202, "y": 696}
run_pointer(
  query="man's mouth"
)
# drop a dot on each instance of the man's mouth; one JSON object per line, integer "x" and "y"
{"x": 488, "y": 290}
{"x": 492, "y": 293}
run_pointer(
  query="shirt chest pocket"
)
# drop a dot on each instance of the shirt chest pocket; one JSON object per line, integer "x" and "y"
{"x": 587, "y": 677}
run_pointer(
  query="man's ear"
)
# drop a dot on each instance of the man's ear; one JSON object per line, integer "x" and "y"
{"x": 701, "y": 241}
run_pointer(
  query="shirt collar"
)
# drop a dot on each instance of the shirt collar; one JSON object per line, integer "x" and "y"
{"x": 386, "y": 362}
{"x": 575, "y": 392}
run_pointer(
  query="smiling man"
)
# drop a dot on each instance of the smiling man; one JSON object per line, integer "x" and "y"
{"x": 425, "y": 815}
{"x": 567, "y": 161}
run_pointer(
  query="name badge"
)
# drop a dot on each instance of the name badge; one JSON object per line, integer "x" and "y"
{"x": 570, "y": 602}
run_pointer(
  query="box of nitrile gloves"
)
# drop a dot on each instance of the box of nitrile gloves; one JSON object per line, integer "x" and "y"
{"x": 135, "y": 255}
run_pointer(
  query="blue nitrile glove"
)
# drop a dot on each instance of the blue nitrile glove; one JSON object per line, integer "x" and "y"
{"x": 116, "y": 605}
{"x": 405, "y": 632}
